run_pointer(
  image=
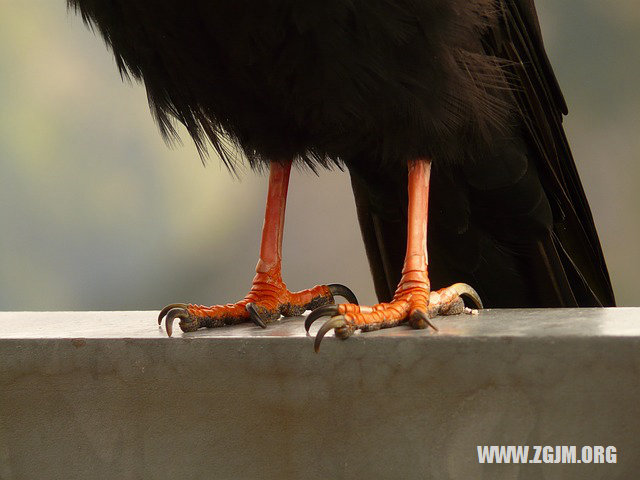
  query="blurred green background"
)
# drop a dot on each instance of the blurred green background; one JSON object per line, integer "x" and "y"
{"x": 97, "y": 213}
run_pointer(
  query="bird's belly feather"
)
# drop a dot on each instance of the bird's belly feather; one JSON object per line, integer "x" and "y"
{"x": 330, "y": 79}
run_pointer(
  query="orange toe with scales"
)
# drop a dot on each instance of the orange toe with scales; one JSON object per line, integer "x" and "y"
{"x": 267, "y": 300}
{"x": 415, "y": 305}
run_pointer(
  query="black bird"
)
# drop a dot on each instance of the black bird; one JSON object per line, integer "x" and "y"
{"x": 450, "y": 101}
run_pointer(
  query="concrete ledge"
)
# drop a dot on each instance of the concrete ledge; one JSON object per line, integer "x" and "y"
{"x": 106, "y": 395}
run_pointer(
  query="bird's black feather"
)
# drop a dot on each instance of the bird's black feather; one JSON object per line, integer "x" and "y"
{"x": 513, "y": 220}
{"x": 372, "y": 84}
{"x": 320, "y": 80}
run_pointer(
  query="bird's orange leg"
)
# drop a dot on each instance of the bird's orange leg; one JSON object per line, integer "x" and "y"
{"x": 269, "y": 297}
{"x": 413, "y": 300}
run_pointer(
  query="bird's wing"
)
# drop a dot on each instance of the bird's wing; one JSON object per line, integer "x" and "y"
{"x": 559, "y": 265}
{"x": 542, "y": 106}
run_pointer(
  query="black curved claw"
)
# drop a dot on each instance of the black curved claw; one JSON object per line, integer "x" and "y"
{"x": 174, "y": 313}
{"x": 426, "y": 322}
{"x": 255, "y": 316}
{"x": 345, "y": 292}
{"x": 326, "y": 311}
{"x": 166, "y": 309}
{"x": 335, "y": 322}
{"x": 464, "y": 290}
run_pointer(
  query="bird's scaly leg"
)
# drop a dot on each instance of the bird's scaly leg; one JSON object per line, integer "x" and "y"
{"x": 413, "y": 300}
{"x": 269, "y": 297}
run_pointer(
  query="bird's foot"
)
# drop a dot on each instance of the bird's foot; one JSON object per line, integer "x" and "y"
{"x": 268, "y": 299}
{"x": 415, "y": 305}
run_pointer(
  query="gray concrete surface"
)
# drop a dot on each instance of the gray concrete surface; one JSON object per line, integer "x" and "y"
{"x": 96, "y": 395}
